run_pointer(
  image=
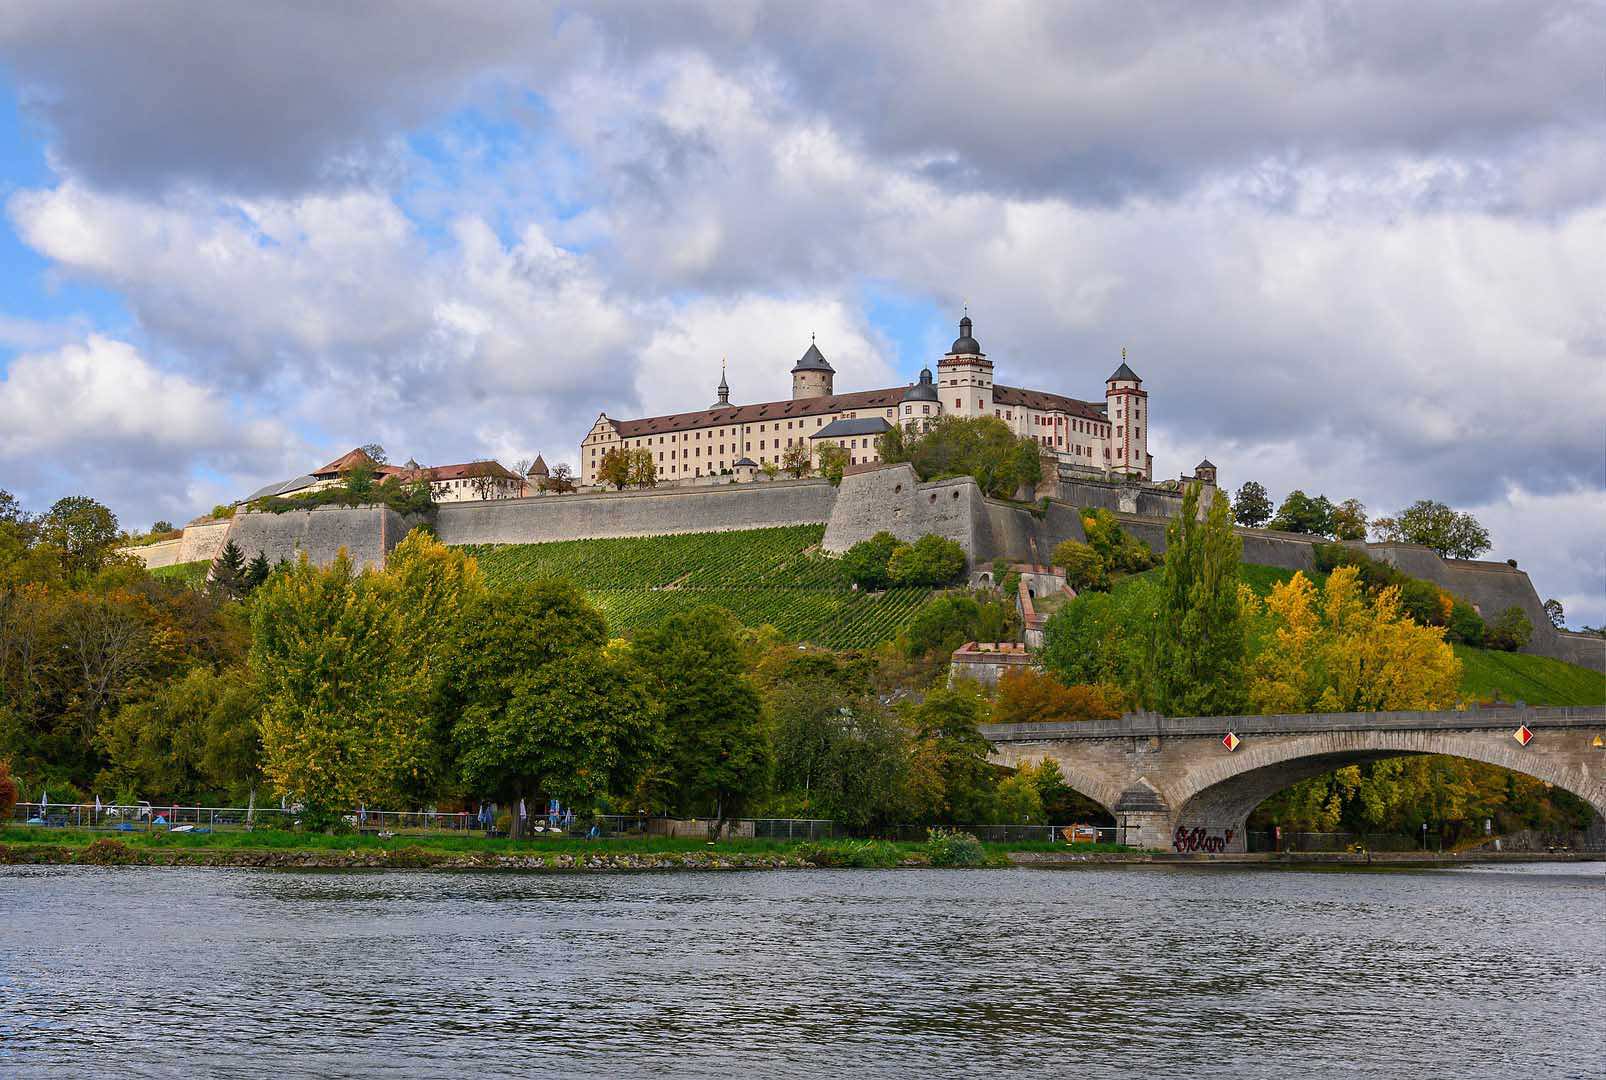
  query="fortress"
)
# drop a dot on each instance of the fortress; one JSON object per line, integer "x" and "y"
{"x": 727, "y": 441}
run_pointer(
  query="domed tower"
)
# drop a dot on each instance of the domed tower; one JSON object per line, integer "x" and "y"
{"x": 1127, "y": 407}
{"x": 966, "y": 386}
{"x": 920, "y": 403}
{"x": 811, "y": 375}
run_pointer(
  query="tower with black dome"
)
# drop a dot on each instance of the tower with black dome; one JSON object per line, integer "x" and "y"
{"x": 811, "y": 375}
{"x": 965, "y": 376}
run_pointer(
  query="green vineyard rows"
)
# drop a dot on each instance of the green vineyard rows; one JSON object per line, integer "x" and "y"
{"x": 762, "y": 576}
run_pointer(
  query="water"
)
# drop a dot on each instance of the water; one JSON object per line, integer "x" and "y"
{"x": 1119, "y": 972}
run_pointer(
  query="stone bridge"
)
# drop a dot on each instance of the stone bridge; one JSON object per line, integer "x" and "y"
{"x": 1159, "y": 774}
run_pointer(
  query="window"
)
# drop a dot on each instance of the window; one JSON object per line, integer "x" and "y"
{"x": 958, "y": 404}
{"x": 925, "y": 410}
{"x": 761, "y": 444}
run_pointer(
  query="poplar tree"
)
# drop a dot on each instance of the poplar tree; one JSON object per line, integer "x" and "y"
{"x": 1199, "y": 646}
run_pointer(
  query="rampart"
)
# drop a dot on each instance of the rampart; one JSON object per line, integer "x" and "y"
{"x": 366, "y": 532}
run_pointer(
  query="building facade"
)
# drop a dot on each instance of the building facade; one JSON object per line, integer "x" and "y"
{"x": 1108, "y": 436}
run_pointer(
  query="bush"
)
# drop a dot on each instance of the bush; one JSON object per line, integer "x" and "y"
{"x": 8, "y": 792}
{"x": 1118, "y": 551}
{"x": 1511, "y": 631}
{"x": 949, "y": 847}
{"x": 858, "y": 854}
{"x": 1466, "y": 625}
{"x": 930, "y": 560}
{"x": 865, "y": 563}
{"x": 106, "y": 852}
{"x": 1084, "y": 569}
{"x": 1425, "y": 603}
{"x": 947, "y": 622}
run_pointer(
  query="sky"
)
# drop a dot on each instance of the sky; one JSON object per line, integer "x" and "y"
{"x": 1352, "y": 248}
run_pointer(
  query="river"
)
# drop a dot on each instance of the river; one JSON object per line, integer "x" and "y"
{"x": 1088, "y": 972}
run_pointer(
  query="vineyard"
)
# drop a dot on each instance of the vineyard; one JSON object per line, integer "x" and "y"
{"x": 762, "y": 576}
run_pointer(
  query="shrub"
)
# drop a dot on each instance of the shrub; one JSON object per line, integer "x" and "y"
{"x": 865, "y": 563}
{"x": 947, "y": 622}
{"x": 1084, "y": 569}
{"x": 1466, "y": 625}
{"x": 858, "y": 854}
{"x": 8, "y": 792}
{"x": 930, "y": 560}
{"x": 949, "y": 847}
{"x": 1511, "y": 631}
{"x": 1424, "y": 602}
{"x": 106, "y": 852}
{"x": 222, "y": 512}
{"x": 1118, "y": 551}
{"x": 1029, "y": 696}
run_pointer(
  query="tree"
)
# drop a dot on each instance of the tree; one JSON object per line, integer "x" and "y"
{"x": 573, "y": 729}
{"x": 485, "y": 478}
{"x": 374, "y": 452}
{"x": 8, "y": 791}
{"x": 561, "y": 479}
{"x": 795, "y": 460}
{"x": 1300, "y": 513}
{"x": 865, "y": 563}
{"x": 643, "y": 470}
{"x": 833, "y": 461}
{"x": 769, "y": 468}
{"x": 83, "y": 532}
{"x": 717, "y": 756}
{"x": 1199, "y": 653}
{"x": 161, "y": 525}
{"x": 931, "y": 560}
{"x": 1348, "y": 520}
{"x": 1554, "y": 612}
{"x": 1510, "y": 631}
{"x": 1331, "y": 650}
{"x": 1084, "y": 570}
{"x": 257, "y": 571}
{"x": 983, "y": 448}
{"x": 1252, "y": 506}
{"x": 194, "y": 738}
{"x": 1116, "y": 550}
{"x": 950, "y": 749}
{"x": 228, "y": 572}
{"x": 1028, "y": 696}
{"x": 614, "y": 468}
{"x": 891, "y": 446}
{"x": 947, "y": 622}
{"x": 1434, "y": 525}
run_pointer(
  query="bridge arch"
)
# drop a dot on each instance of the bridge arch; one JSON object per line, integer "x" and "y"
{"x": 1224, "y": 791}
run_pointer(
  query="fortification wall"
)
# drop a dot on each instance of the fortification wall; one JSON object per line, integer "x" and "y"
{"x": 1585, "y": 650}
{"x": 203, "y": 542}
{"x": 160, "y": 554}
{"x": 366, "y": 532}
{"x": 892, "y": 499}
{"x": 636, "y": 513}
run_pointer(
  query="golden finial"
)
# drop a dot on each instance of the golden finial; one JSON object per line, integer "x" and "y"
{"x": 1123, "y": 354}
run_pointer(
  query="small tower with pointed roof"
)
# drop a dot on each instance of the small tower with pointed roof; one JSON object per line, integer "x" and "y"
{"x": 1126, "y": 406}
{"x": 965, "y": 376}
{"x": 811, "y": 375}
{"x": 724, "y": 391}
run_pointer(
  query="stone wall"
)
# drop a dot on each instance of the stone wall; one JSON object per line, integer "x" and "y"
{"x": 160, "y": 554}
{"x": 637, "y": 513}
{"x": 892, "y": 499}
{"x": 368, "y": 533}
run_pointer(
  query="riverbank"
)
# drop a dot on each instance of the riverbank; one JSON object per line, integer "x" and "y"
{"x": 291, "y": 851}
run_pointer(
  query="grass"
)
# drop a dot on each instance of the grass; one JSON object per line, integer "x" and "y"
{"x": 1537, "y": 680}
{"x": 775, "y": 577}
{"x": 185, "y": 573}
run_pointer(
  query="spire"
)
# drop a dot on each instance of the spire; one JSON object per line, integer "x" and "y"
{"x": 965, "y": 343}
{"x": 724, "y": 401}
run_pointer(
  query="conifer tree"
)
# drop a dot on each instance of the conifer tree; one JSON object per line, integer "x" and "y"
{"x": 257, "y": 571}
{"x": 228, "y": 571}
{"x": 1199, "y": 649}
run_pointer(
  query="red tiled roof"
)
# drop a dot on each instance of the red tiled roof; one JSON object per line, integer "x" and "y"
{"x": 1046, "y": 402}
{"x": 754, "y": 414}
{"x": 468, "y": 470}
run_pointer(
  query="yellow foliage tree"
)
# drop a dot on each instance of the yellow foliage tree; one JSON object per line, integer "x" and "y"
{"x": 1330, "y": 650}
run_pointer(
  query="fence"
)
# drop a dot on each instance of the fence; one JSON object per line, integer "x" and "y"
{"x": 145, "y": 817}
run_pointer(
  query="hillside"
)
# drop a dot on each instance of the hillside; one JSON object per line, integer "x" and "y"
{"x": 189, "y": 573}
{"x": 774, "y": 576}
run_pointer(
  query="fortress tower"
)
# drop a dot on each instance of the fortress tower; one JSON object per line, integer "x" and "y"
{"x": 965, "y": 376}
{"x": 1127, "y": 405}
{"x": 811, "y": 375}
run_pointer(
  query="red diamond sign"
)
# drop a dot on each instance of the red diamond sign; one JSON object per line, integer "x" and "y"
{"x": 1522, "y": 734}
{"x": 1230, "y": 741}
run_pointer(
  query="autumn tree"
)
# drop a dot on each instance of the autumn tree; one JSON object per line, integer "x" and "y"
{"x": 561, "y": 479}
{"x": 950, "y": 755}
{"x": 1348, "y": 520}
{"x": 1029, "y": 696}
{"x": 643, "y": 469}
{"x": 1331, "y": 650}
{"x": 614, "y": 468}
{"x": 194, "y": 738}
{"x": 833, "y": 460}
{"x": 1251, "y": 508}
{"x": 1199, "y": 645}
{"x": 795, "y": 460}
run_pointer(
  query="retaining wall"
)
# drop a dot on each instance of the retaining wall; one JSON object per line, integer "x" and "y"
{"x": 366, "y": 532}
{"x": 892, "y": 499}
{"x": 636, "y": 513}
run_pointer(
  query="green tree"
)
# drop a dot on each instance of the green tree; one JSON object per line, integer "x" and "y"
{"x": 573, "y": 729}
{"x": 1117, "y": 550}
{"x": 83, "y": 532}
{"x": 865, "y": 563}
{"x": 194, "y": 738}
{"x": 1349, "y": 520}
{"x": 1300, "y": 513}
{"x": 1084, "y": 570}
{"x": 1252, "y": 506}
{"x": 833, "y": 461}
{"x": 950, "y": 747}
{"x": 257, "y": 571}
{"x": 795, "y": 460}
{"x": 162, "y": 525}
{"x": 1510, "y": 631}
{"x": 981, "y": 447}
{"x": 1199, "y": 650}
{"x": 643, "y": 470}
{"x": 931, "y": 560}
{"x": 947, "y": 622}
{"x": 228, "y": 572}
{"x": 892, "y": 446}
{"x": 1434, "y": 525}
{"x": 717, "y": 755}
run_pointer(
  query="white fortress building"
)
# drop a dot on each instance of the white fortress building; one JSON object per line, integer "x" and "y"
{"x": 731, "y": 441}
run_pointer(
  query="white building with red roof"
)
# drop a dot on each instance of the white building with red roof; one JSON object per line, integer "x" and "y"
{"x": 1108, "y": 436}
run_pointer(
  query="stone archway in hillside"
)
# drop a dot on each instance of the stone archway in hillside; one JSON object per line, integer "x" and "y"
{"x": 1223, "y": 793}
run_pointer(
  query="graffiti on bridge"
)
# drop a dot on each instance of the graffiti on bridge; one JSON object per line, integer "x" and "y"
{"x": 1200, "y": 839}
